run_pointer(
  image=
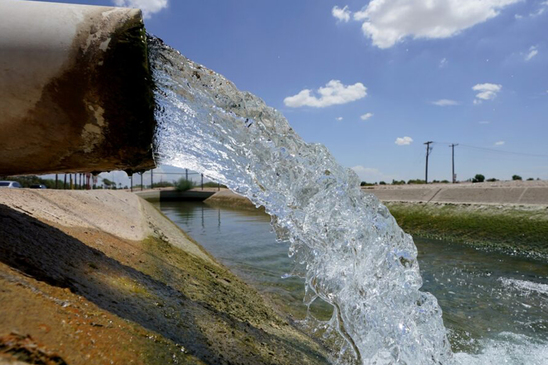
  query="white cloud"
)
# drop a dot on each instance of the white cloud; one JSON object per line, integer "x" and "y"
{"x": 342, "y": 15}
{"x": 445, "y": 102}
{"x": 443, "y": 63}
{"x": 403, "y": 141}
{"x": 533, "y": 51}
{"x": 388, "y": 22}
{"x": 366, "y": 116}
{"x": 333, "y": 93}
{"x": 148, "y": 7}
{"x": 499, "y": 143}
{"x": 486, "y": 91}
{"x": 371, "y": 174}
{"x": 339, "y": 118}
{"x": 484, "y": 122}
{"x": 541, "y": 10}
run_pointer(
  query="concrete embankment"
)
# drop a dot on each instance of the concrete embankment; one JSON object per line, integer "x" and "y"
{"x": 508, "y": 215}
{"x": 174, "y": 195}
{"x": 102, "y": 277}
{"x": 505, "y": 192}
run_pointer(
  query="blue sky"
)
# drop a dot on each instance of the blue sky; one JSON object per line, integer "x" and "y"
{"x": 394, "y": 74}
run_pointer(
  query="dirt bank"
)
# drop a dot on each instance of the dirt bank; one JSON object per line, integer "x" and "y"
{"x": 103, "y": 278}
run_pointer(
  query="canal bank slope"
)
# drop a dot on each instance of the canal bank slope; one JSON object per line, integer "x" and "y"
{"x": 507, "y": 215}
{"x": 102, "y": 277}
{"x": 496, "y": 193}
{"x": 510, "y": 216}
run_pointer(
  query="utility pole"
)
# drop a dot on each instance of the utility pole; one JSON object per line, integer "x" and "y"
{"x": 427, "y": 153}
{"x": 453, "y": 161}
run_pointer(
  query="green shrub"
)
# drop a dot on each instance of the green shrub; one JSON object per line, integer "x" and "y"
{"x": 416, "y": 181}
{"x": 516, "y": 177}
{"x": 184, "y": 184}
{"x": 478, "y": 178}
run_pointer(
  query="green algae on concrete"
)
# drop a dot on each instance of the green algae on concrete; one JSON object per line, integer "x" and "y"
{"x": 515, "y": 229}
{"x": 233, "y": 318}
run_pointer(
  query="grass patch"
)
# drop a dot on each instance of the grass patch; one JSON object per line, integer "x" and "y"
{"x": 509, "y": 228}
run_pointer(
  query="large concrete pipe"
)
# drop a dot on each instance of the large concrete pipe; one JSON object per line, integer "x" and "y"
{"x": 75, "y": 89}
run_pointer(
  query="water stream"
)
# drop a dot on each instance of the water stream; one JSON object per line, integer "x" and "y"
{"x": 346, "y": 245}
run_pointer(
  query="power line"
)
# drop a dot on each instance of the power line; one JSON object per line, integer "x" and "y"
{"x": 503, "y": 151}
{"x": 494, "y": 150}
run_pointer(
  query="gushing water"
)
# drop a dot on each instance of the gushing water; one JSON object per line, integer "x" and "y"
{"x": 346, "y": 244}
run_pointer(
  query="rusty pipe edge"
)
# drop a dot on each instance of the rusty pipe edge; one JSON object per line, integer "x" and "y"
{"x": 75, "y": 89}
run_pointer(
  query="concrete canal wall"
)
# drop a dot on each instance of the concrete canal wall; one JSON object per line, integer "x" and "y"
{"x": 505, "y": 192}
{"x": 174, "y": 195}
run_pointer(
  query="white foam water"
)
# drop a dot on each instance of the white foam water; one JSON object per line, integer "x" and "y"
{"x": 525, "y": 287}
{"x": 507, "y": 348}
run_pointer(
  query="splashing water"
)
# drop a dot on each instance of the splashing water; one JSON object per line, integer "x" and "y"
{"x": 348, "y": 247}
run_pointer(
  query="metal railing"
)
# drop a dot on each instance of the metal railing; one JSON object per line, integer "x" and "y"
{"x": 151, "y": 179}
{"x": 187, "y": 174}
